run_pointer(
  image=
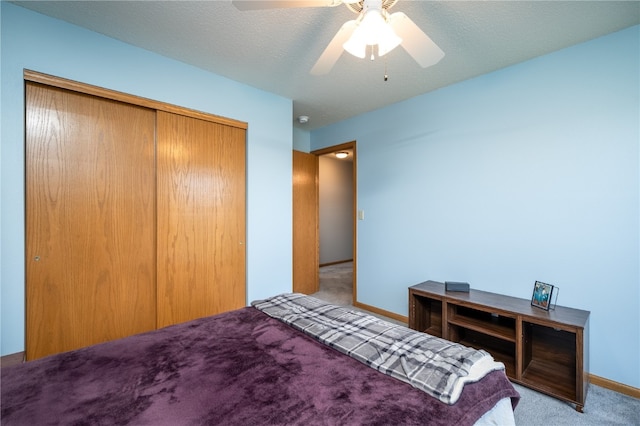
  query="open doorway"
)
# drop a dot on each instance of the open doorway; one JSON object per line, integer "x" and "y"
{"x": 337, "y": 223}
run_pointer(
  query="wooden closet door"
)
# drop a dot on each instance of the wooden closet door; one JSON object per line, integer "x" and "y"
{"x": 90, "y": 220}
{"x": 201, "y": 218}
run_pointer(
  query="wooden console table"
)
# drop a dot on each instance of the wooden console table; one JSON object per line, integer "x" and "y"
{"x": 547, "y": 351}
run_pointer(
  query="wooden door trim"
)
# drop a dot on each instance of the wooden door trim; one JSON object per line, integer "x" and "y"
{"x": 348, "y": 146}
{"x": 63, "y": 83}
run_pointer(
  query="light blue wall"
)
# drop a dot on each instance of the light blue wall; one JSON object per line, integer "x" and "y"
{"x": 301, "y": 140}
{"x": 39, "y": 43}
{"x": 528, "y": 173}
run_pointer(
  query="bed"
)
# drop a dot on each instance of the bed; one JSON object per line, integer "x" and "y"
{"x": 291, "y": 359}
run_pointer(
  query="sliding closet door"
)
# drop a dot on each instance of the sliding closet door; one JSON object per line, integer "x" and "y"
{"x": 201, "y": 218}
{"x": 90, "y": 220}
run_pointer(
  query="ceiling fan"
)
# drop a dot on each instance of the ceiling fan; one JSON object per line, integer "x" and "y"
{"x": 373, "y": 27}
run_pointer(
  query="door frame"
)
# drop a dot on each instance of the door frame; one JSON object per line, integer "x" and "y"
{"x": 328, "y": 150}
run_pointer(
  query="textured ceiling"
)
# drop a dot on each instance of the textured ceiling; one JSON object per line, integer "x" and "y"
{"x": 274, "y": 49}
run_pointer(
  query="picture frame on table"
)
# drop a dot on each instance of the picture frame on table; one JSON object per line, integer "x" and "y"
{"x": 542, "y": 294}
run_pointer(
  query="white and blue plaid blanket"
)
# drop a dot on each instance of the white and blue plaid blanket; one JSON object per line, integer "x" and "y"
{"x": 438, "y": 367}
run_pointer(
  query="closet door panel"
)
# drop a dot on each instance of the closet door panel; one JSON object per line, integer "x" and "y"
{"x": 90, "y": 220}
{"x": 201, "y": 218}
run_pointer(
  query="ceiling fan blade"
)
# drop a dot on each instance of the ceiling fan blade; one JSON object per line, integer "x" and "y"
{"x": 333, "y": 51}
{"x": 415, "y": 41}
{"x": 282, "y": 4}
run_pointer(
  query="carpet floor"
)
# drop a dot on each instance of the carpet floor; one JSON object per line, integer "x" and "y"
{"x": 336, "y": 284}
{"x": 602, "y": 407}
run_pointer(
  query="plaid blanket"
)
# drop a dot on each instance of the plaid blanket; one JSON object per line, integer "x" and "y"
{"x": 437, "y": 366}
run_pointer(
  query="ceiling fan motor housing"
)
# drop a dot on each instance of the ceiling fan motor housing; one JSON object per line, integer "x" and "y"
{"x": 358, "y": 7}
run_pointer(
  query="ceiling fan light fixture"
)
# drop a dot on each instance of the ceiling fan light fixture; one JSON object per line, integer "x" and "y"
{"x": 371, "y": 27}
{"x": 356, "y": 46}
{"x": 388, "y": 41}
{"x": 371, "y": 30}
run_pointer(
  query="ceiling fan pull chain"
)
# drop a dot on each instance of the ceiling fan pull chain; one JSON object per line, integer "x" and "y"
{"x": 386, "y": 62}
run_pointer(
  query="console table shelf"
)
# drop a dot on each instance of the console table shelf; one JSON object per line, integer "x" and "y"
{"x": 495, "y": 327}
{"x": 544, "y": 350}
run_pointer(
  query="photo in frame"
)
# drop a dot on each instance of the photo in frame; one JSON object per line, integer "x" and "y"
{"x": 542, "y": 293}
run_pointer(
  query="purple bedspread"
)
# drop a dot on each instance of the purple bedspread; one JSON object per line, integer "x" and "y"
{"x": 237, "y": 368}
